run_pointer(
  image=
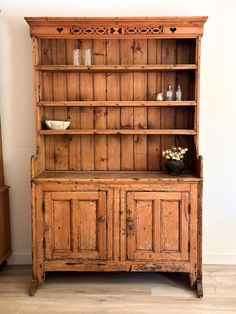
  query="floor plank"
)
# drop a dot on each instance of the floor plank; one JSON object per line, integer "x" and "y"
{"x": 118, "y": 293}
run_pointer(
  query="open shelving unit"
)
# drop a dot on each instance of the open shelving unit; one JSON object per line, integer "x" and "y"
{"x": 110, "y": 103}
{"x": 108, "y": 164}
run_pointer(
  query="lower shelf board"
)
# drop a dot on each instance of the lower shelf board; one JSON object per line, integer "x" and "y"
{"x": 115, "y": 176}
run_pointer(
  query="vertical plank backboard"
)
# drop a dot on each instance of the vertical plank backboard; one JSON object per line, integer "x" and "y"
{"x": 113, "y": 114}
{"x": 100, "y": 113}
{"x": 127, "y": 113}
{"x": 169, "y": 78}
{"x": 73, "y": 113}
{"x": 184, "y": 116}
{"x": 47, "y": 94}
{"x": 60, "y": 93}
{"x": 117, "y": 152}
{"x": 154, "y": 113}
{"x": 140, "y": 114}
{"x": 86, "y": 115}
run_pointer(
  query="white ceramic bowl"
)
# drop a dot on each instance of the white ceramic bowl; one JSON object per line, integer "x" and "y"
{"x": 57, "y": 125}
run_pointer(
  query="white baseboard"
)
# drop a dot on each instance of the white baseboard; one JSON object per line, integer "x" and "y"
{"x": 212, "y": 258}
{"x": 20, "y": 259}
{"x": 216, "y": 258}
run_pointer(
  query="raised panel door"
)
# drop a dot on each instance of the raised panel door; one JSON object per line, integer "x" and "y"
{"x": 158, "y": 225}
{"x": 75, "y": 225}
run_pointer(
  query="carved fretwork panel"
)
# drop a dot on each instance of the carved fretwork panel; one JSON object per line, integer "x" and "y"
{"x": 116, "y": 30}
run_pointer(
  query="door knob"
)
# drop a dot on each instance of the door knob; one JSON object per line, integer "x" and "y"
{"x": 101, "y": 219}
{"x": 129, "y": 219}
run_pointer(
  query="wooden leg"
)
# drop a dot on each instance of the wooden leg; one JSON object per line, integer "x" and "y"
{"x": 3, "y": 265}
{"x": 193, "y": 279}
{"x": 37, "y": 281}
{"x": 196, "y": 282}
{"x": 199, "y": 288}
{"x": 33, "y": 288}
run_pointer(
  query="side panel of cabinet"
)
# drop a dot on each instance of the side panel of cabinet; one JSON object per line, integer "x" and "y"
{"x": 75, "y": 225}
{"x": 158, "y": 226}
{"x": 5, "y": 232}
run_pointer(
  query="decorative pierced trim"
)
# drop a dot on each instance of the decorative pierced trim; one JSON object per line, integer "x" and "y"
{"x": 113, "y": 30}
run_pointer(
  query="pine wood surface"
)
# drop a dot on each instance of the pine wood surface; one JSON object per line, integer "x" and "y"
{"x": 112, "y": 87}
{"x": 115, "y": 103}
{"x": 116, "y": 68}
{"x": 134, "y": 27}
{"x": 101, "y": 200}
{"x": 114, "y": 176}
{"x": 58, "y": 205}
{"x": 118, "y": 293}
{"x": 117, "y": 131}
{"x": 178, "y": 20}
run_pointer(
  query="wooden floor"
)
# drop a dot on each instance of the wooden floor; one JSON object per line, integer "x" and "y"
{"x": 118, "y": 293}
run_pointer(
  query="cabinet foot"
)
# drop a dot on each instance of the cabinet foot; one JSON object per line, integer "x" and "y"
{"x": 3, "y": 265}
{"x": 199, "y": 288}
{"x": 193, "y": 279}
{"x": 33, "y": 288}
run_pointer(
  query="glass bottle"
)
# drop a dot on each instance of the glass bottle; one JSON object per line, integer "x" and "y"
{"x": 178, "y": 94}
{"x": 169, "y": 93}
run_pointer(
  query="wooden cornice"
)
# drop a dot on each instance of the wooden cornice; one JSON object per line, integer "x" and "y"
{"x": 116, "y": 27}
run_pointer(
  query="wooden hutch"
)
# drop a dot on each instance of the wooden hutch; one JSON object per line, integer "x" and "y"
{"x": 101, "y": 198}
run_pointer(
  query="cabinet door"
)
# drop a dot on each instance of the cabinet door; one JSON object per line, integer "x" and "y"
{"x": 75, "y": 225}
{"x": 157, "y": 225}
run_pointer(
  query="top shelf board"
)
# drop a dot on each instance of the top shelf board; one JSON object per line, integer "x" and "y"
{"x": 116, "y": 68}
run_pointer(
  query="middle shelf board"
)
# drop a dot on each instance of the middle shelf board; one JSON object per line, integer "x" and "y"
{"x": 117, "y": 68}
{"x": 116, "y": 103}
{"x": 118, "y": 131}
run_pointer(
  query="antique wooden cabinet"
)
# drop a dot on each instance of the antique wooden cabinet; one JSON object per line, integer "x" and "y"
{"x": 101, "y": 198}
{"x": 5, "y": 231}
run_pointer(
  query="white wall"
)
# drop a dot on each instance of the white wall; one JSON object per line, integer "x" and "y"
{"x": 218, "y": 109}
